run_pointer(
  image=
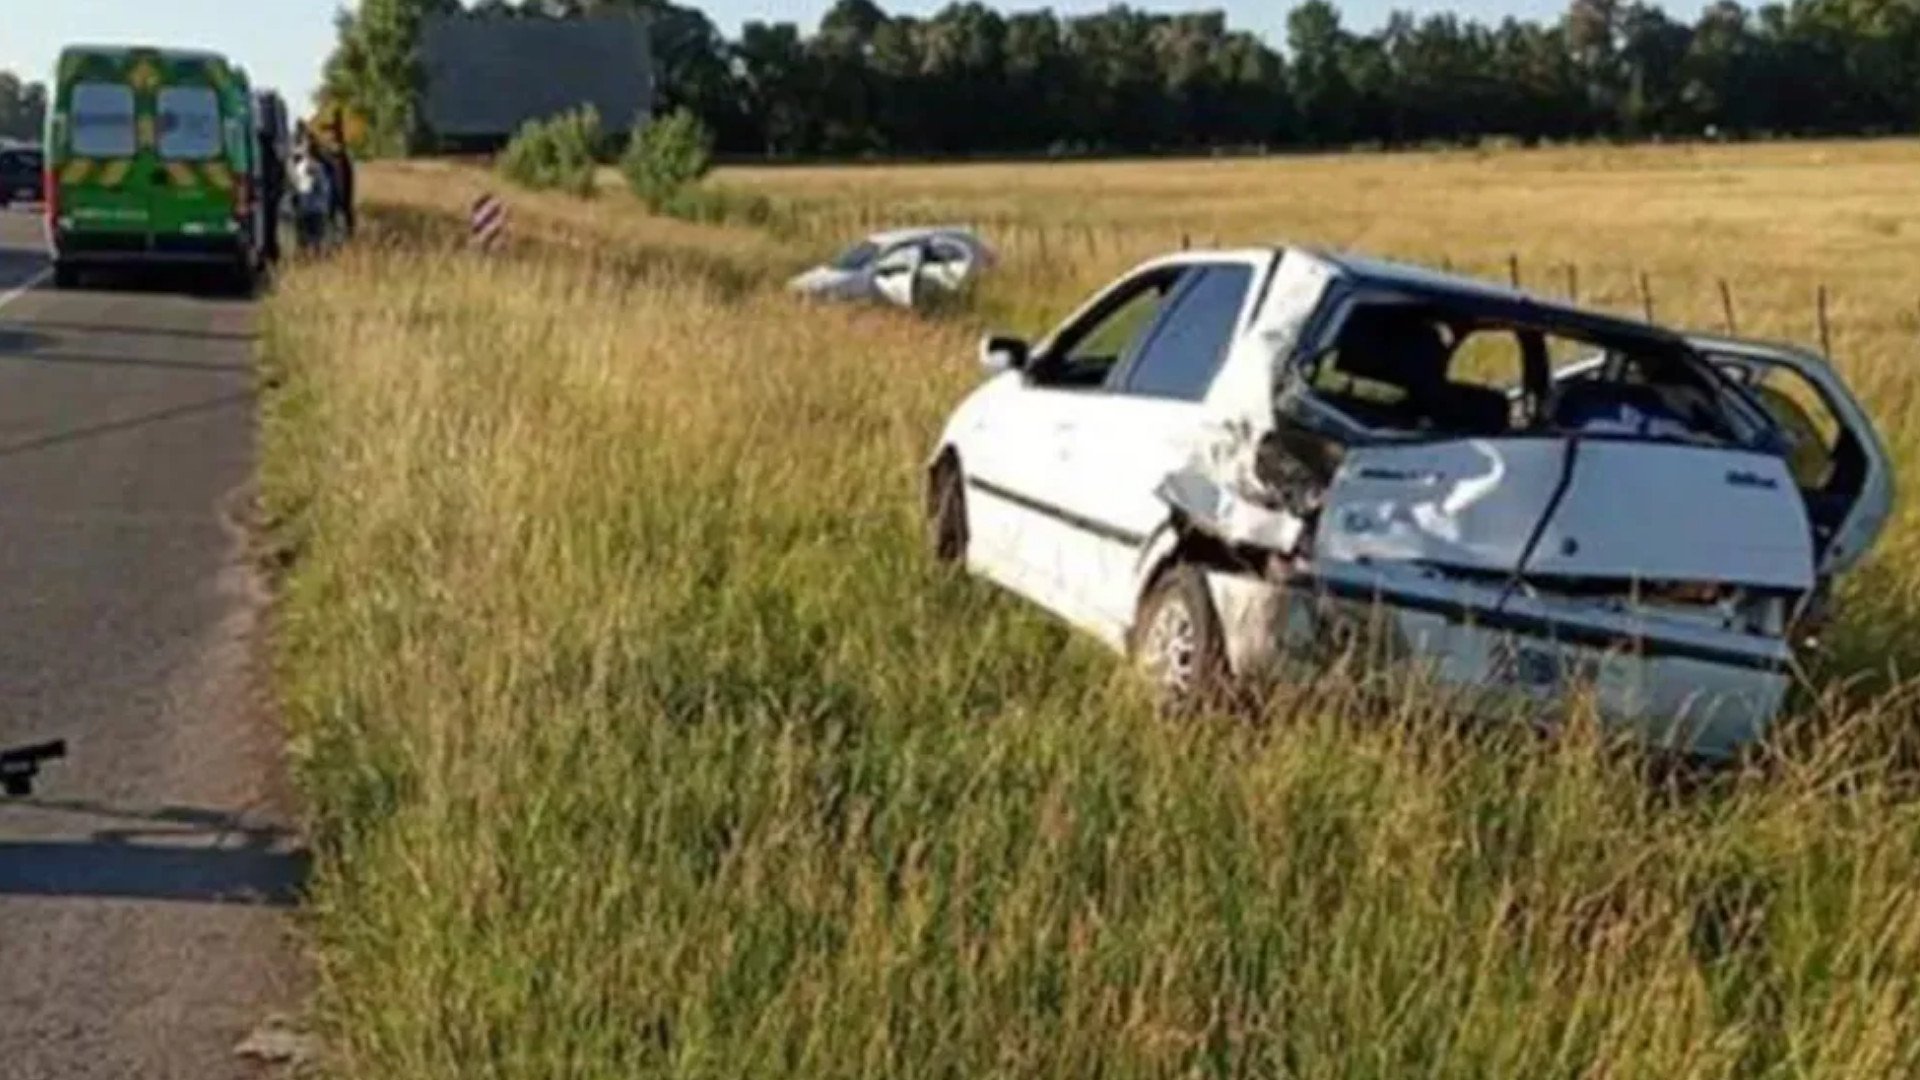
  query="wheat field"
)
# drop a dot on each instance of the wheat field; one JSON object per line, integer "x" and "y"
{"x": 640, "y": 738}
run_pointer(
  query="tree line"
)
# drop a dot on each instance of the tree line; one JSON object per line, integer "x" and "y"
{"x": 23, "y": 108}
{"x": 974, "y": 80}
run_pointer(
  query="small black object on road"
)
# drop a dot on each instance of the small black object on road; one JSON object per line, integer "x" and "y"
{"x": 20, "y": 767}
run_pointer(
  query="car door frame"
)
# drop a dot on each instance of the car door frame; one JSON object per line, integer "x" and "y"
{"x": 909, "y": 296}
{"x": 1121, "y": 445}
{"x": 1021, "y": 535}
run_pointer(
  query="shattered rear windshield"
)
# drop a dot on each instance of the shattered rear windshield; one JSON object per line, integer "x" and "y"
{"x": 1432, "y": 367}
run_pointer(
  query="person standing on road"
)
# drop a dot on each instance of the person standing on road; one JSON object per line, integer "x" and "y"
{"x": 313, "y": 199}
{"x": 273, "y": 191}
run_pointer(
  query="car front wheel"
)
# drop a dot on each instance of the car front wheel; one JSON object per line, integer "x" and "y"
{"x": 1177, "y": 642}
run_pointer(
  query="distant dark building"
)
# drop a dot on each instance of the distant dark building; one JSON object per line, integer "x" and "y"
{"x": 485, "y": 76}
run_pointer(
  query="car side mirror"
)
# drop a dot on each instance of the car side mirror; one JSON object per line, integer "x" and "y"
{"x": 1000, "y": 353}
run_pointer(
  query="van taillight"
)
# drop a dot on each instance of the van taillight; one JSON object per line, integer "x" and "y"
{"x": 50, "y": 195}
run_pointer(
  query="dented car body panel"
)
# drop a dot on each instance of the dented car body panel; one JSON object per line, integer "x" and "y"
{"x": 1530, "y": 498}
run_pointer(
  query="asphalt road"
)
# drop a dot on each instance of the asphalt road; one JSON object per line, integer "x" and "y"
{"x": 144, "y": 892}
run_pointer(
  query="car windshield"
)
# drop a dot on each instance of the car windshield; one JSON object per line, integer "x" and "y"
{"x": 857, "y": 257}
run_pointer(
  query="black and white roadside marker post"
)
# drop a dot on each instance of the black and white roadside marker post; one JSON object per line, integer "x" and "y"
{"x": 488, "y": 222}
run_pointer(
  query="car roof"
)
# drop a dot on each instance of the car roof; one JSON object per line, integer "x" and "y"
{"x": 1495, "y": 301}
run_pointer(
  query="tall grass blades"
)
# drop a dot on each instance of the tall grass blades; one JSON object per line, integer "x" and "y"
{"x": 642, "y": 739}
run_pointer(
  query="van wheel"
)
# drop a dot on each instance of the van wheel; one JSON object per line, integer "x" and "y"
{"x": 242, "y": 280}
{"x": 65, "y": 276}
{"x": 1177, "y": 643}
{"x": 947, "y": 513}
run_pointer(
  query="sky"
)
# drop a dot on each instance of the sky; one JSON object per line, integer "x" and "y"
{"x": 283, "y": 42}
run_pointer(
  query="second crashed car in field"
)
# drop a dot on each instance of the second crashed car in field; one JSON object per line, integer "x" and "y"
{"x": 903, "y": 267}
{"x": 1228, "y": 459}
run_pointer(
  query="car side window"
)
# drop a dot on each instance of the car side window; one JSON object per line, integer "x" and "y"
{"x": 1088, "y": 353}
{"x": 1191, "y": 341}
{"x": 942, "y": 252}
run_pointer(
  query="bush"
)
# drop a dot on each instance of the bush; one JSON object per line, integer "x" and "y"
{"x": 666, "y": 156}
{"x": 559, "y": 154}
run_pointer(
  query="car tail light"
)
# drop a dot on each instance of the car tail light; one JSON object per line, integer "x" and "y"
{"x": 242, "y": 199}
{"x": 50, "y": 195}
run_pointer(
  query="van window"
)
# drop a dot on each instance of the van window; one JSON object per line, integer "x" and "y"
{"x": 189, "y": 123}
{"x": 102, "y": 120}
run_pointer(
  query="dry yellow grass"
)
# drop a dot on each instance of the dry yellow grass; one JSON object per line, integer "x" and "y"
{"x": 643, "y": 741}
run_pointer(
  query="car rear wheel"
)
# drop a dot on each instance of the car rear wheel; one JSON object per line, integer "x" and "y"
{"x": 947, "y": 513}
{"x": 1177, "y": 643}
{"x": 66, "y": 276}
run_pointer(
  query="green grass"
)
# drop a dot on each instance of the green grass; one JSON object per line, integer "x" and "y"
{"x": 640, "y": 738}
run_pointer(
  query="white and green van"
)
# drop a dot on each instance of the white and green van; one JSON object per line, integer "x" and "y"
{"x": 152, "y": 160}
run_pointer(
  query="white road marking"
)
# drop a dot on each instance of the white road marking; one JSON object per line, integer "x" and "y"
{"x": 33, "y": 283}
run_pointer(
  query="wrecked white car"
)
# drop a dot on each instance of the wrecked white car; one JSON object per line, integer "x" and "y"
{"x": 905, "y": 267}
{"x": 1229, "y": 459}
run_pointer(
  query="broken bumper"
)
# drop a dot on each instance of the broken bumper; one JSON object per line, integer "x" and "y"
{"x": 1696, "y": 689}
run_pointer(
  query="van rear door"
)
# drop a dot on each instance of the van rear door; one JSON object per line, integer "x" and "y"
{"x": 100, "y": 179}
{"x": 193, "y": 197}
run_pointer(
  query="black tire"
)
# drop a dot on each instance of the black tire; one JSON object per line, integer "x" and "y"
{"x": 1177, "y": 645}
{"x": 66, "y": 276}
{"x": 947, "y": 513}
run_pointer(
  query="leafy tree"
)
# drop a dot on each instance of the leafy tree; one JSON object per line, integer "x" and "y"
{"x": 23, "y": 107}
{"x": 968, "y": 79}
{"x": 375, "y": 69}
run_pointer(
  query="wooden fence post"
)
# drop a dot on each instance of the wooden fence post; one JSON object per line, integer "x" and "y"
{"x": 1646, "y": 295}
{"x": 1573, "y": 283}
{"x": 1513, "y": 269}
{"x": 1726, "y": 306}
{"x": 1826, "y": 332}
